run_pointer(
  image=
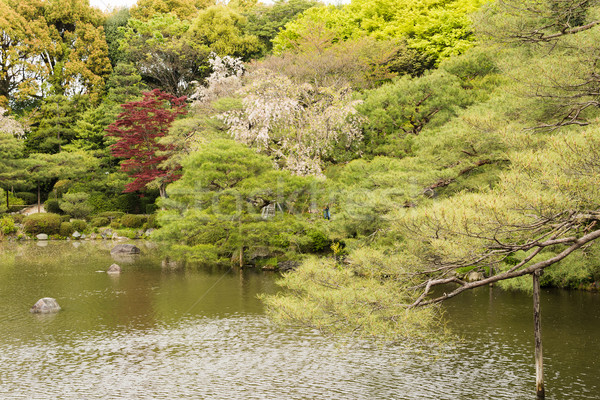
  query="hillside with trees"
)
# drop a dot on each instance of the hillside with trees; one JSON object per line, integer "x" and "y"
{"x": 446, "y": 139}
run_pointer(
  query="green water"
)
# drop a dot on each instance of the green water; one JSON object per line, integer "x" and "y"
{"x": 157, "y": 332}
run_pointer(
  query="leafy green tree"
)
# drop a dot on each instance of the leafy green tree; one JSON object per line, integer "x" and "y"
{"x": 53, "y": 47}
{"x": 56, "y": 121}
{"x": 11, "y": 153}
{"x": 76, "y": 205}
{"x": 113, "y": 30}
{"x": 407, "y": 106}
{"x": 44, "y": 168}
{"x": 265, "y": 21}
{"x": 184, "y": 9}
{"x": 438, "y": 29}
{"x": 163, "y": 53}
{"x": 124, "y": 85}
{"x": 222, "y": 30}
{"x": 213, "y": 212}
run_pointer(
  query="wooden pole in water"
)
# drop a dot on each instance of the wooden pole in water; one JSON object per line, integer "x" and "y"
{"x": 537, "y": 327}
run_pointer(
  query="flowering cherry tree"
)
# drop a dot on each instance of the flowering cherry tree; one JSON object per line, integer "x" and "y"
{"x": 299, "y": 125}
{"x": 138, "y": 129}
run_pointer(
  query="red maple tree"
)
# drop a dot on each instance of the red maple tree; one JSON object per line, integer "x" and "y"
{"x": 139, "y": 128}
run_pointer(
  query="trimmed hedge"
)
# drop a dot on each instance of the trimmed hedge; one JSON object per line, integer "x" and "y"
{"x": 100, "y": 221}
{"x": 66, "y": 229}
{"x": 133, "y": 220}
{"x": 47, "y": 223}
{"x": 79, "y": 225}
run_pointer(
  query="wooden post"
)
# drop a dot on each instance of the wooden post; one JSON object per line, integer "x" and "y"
{"x": 537, "y": 327}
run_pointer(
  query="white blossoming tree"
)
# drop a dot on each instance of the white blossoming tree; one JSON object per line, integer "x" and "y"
{"x": 301, "y": 126}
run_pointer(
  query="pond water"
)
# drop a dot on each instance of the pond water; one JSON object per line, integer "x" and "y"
{"x": 192, "y": 333}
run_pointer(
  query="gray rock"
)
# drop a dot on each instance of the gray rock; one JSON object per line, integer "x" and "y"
{"x": 76, "y": 235}
{"x": 113, "y": 269}
{"x": 125, "y": 249}
{"x": 82, "y": 236}
{"x": 42, "y": 236}
{"x": 473, "y": 276}
{"x": 149, "y": 232}
{"x": 45, "y": 306}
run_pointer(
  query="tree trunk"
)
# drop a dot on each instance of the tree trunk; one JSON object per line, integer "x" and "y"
{"x": 537, "y": 327}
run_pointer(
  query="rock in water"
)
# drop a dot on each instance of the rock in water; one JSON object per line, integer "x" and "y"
{"x": 45, "y": 306}
{"x": 125, "y": 249}
{"x": 113, "y": 269}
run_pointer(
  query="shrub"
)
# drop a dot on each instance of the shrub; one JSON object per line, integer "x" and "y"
{"x": 76, "y": 204}
{"x": 152, "y": 222}
{"x": 28, "y": 198}
{"x": 115, "y": 225}
{"x": 133, "y": 220}
{"x": 79, "y": 225}
{"x": 111, "y": 215}
{"x": 18, "y": 218}
{"x": 66, "y": 229}
{"x": 51, "y": 206}
{"x": 65, "y": 218}
{"x": 318, "y": 241}
{"x": 42, "y": 223}
{"x": 100, "y": 221}
{"x": 7, "y": 225}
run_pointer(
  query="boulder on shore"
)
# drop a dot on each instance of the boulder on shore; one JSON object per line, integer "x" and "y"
{"x": 113, "y": 269}
{"x": 42, "y": 236}
{"x": 45, "y": 306}
{"x": 125, "y": 249}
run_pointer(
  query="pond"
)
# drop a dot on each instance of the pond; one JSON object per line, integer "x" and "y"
{"x": 157, "y": 332}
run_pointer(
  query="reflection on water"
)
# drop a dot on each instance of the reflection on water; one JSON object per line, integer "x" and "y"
{"x": 167, "y": 333}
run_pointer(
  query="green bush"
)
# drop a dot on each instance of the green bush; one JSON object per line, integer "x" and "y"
{"x": 28, "y": 198}
{"x": 115, "y": 225}
{"x": 42, "y": 223}
{"x": 100, "y": 221}
{"x": 79, "y": 225}
{"x": 133, "y": 220}
{"x": 18, "y": 218}
{"x": 318, "y": 241}
{"x": 111, "y": 215}
{"x": 76, "y": 204}
{"x": 66, "y": 229}
{"x": 65, "y": 218}
{"x": 152, "y": 222}
{"x": 7, "y": 225}
{"x": 51, "y": 206}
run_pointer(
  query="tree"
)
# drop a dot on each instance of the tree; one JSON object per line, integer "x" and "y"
{"x": 138, "y": 129}
{"x": 300, "y": 126}
{"x": 222, "y": 30}
{"x": 114, "y": 25}
{"x": 163, "y": 53}
{"x": 50, "y": 48}
{"x": 213, "y": 213}
{"x": 145, "y": 10}
{"x": 43, "y": 168}
{"x": 56, "y": 120}
{"x": 11, "y": 153}
{"x": 438, "y": 29}
{"x": 265, "y": 21}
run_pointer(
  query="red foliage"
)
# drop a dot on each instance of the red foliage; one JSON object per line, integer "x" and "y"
{"x": 138, "y": 128}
